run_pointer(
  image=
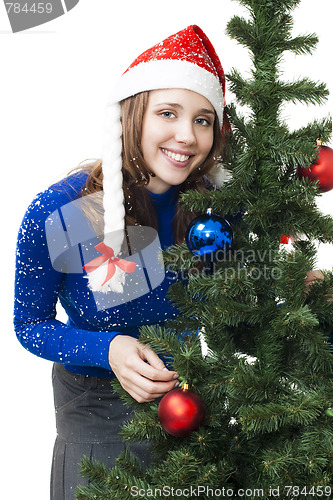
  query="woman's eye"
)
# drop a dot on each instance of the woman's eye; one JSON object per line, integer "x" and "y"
{"x": 167, "y": 114}
{"x": 203, "y": 121}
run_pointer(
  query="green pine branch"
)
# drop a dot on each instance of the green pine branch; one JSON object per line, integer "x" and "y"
{"x": 302, "y": 45}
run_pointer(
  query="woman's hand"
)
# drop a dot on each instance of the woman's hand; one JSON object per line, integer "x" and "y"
{"x": 312, "y": 276}
{"x": 143, "y": 381}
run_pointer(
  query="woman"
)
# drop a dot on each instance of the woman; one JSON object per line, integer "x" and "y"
{"x": 164, "y": 130}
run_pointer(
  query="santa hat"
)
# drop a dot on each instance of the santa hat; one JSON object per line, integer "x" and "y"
{"x": 185, "y": 60}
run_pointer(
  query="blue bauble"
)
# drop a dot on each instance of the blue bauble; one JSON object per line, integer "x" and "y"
{"x": 209, "y": 236}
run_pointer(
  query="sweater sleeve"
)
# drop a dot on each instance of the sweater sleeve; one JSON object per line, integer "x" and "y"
{"x": 37, "y": 287}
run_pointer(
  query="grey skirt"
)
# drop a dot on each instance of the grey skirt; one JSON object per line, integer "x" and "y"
{"x": 89, "y": 417}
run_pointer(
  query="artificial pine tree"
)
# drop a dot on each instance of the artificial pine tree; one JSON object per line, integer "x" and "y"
{"x": 266, "y": 377}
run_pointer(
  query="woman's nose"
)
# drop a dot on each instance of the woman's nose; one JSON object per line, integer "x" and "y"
{"x": 185, "y": 133}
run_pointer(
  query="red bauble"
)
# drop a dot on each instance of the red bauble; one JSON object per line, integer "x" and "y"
{"x": 321, "y": 171}
{"x": 181, "y": 412}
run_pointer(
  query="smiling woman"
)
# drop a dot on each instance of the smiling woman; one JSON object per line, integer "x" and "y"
{"x": 164, "y": 131}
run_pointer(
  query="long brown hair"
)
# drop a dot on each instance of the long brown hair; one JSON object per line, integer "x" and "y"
{"x": 138, "y": 206}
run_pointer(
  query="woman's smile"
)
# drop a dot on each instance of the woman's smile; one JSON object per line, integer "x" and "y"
{"x": 178, "y": 158}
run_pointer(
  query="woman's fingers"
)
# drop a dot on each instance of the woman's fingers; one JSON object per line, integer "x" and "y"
{"x": 149, "y": 355}
{"x": 147, "y": 380}
{"x": 143, "y": 390}
{"x": 139, "y": 370}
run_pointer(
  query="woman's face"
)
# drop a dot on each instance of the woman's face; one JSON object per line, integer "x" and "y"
{"x": 177, "y": 136}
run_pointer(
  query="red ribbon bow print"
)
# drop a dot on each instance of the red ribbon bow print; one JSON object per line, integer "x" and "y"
{"x": 108, "y": 255}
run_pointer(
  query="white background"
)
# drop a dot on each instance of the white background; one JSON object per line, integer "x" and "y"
{"x": 55, "y": 81}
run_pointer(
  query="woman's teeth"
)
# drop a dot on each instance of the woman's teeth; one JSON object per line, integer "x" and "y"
{"x": 175, "y": 156}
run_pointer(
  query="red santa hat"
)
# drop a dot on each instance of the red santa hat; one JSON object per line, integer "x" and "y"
{"x": 185, "y": 60}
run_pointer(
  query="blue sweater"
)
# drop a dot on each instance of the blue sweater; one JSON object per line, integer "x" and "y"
{"x": 82, "y": 344}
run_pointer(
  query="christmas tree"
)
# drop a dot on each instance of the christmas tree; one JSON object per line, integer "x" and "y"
{"x": 265, "y": 376}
